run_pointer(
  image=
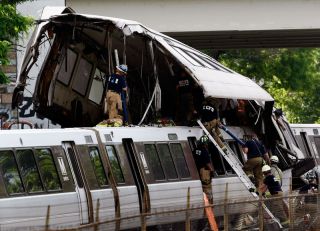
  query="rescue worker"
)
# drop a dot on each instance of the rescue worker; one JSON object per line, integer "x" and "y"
{"x": 275, "y": 190}
{"x": 185, "y": 105}
{"x": 307, "y": 206}
{"x": 211, "y": 121}
{"x": 203, "y": 162}
{"x": 275, "y": 170}
{"x": 116, "y": 86}
{"x": 256, "y": 153}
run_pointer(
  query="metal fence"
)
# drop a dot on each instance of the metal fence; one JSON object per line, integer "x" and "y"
{"x": 294, "y": 212}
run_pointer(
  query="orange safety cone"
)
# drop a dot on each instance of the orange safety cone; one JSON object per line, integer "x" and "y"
{"x": 210, "y": 214}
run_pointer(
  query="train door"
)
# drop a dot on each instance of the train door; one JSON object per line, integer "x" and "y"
{"x": 138, "y": 176}
{"x": 164, "y": 175}
{"x": 79, "y": 181}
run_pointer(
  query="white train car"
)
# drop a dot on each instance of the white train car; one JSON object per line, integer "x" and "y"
{"x": 308, "y": 138}
{"x": 105, "y": 173}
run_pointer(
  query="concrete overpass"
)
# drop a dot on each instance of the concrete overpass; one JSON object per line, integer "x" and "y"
{"x": 220, "y": 24}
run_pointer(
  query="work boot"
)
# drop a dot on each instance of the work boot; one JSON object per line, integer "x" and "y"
{"x": 222, "y": 139}
{"x": 224, "y": 149}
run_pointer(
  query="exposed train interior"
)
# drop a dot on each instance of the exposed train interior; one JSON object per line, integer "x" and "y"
{"x": 71, "y": 85}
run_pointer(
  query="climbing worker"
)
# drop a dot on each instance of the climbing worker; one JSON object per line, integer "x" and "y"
{"x": 203, "y": 162}
{"x": 256, "y": 153}
{"x": 116, "y": 86}
{"x": 275, "y": 191}
{"x": 275, "y": 170}
{"x": 210, "y": 119}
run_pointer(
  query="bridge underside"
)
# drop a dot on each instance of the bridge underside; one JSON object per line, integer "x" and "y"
{"x": 221, "y": 40}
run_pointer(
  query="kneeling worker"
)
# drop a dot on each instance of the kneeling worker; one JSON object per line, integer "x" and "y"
{"x": 116, "y": 85}
{"x": 275, "y": 170}
{"x": 275, "y": 190}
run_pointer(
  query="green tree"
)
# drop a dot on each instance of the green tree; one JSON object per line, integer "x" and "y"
{"x": 291, "y": 76}
{"x": 11, "y": 26}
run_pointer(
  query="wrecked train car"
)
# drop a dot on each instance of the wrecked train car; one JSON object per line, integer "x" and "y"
{"x": 84, "y": 49}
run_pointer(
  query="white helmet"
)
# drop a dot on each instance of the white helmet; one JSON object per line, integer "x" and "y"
{"x": 266, "y": 168}
{"x": 123, "y": 68}
{"x": 274, "y": 159}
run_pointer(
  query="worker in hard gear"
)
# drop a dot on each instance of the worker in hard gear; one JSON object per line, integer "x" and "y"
{"x": 308, "y": 204}
{"x": 256, "y": 156}
{"x": 203, "y": 162}
{"x": 275, "y": 170}
{"x": 211, "y": 121}
{"x": 277, "y": 206}
{"x": 115, "y": 87}
{"x": 310, "y": 187}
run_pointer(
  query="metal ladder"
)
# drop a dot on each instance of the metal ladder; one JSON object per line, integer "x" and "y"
{"x": 236, "y": 165}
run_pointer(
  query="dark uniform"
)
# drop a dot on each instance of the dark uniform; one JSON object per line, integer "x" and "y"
{"x": 203, "y": 161}
{"x": 210, "y": 119}
{"x": 185, "y": 105}
{"x": 255, "y": 160}
{"x": 201, "y": 157}
{"x": 308, "y": 205}
{"x": 276, "y": 206}
{"x": 116, "y": 84}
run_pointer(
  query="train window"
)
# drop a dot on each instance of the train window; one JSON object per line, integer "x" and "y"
{"x": 67, "y": 66}
{"x": 97, "y": 166}
{"x": 10, "y": 173}
{"x": 317, "y": 144}
{"x": 204, "y": 62}
{"x": 29, "y": 171}
{"x": 187, "y": 57}
{"x": 287, "y": 130}
{"x": 96, "y": 90}
{"x": 315, "y": 131}
{"x": 178, "y": 156}
{"x": 167, "y": 162}
{"x": 154, "y": 161}
{"x": 48, "y": 169}
{"x": 304, "y": 137}
{"x": 82, "y": 76}
{"x": 115, "y": 165}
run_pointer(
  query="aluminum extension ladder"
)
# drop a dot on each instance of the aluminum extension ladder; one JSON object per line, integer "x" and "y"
{"x": 236, "y": 165}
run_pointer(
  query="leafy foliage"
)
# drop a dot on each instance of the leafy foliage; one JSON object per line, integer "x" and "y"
{"x": 12, "y": 2}
{"x": 12, "y": 24}
{"x": 292, "y": 76}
